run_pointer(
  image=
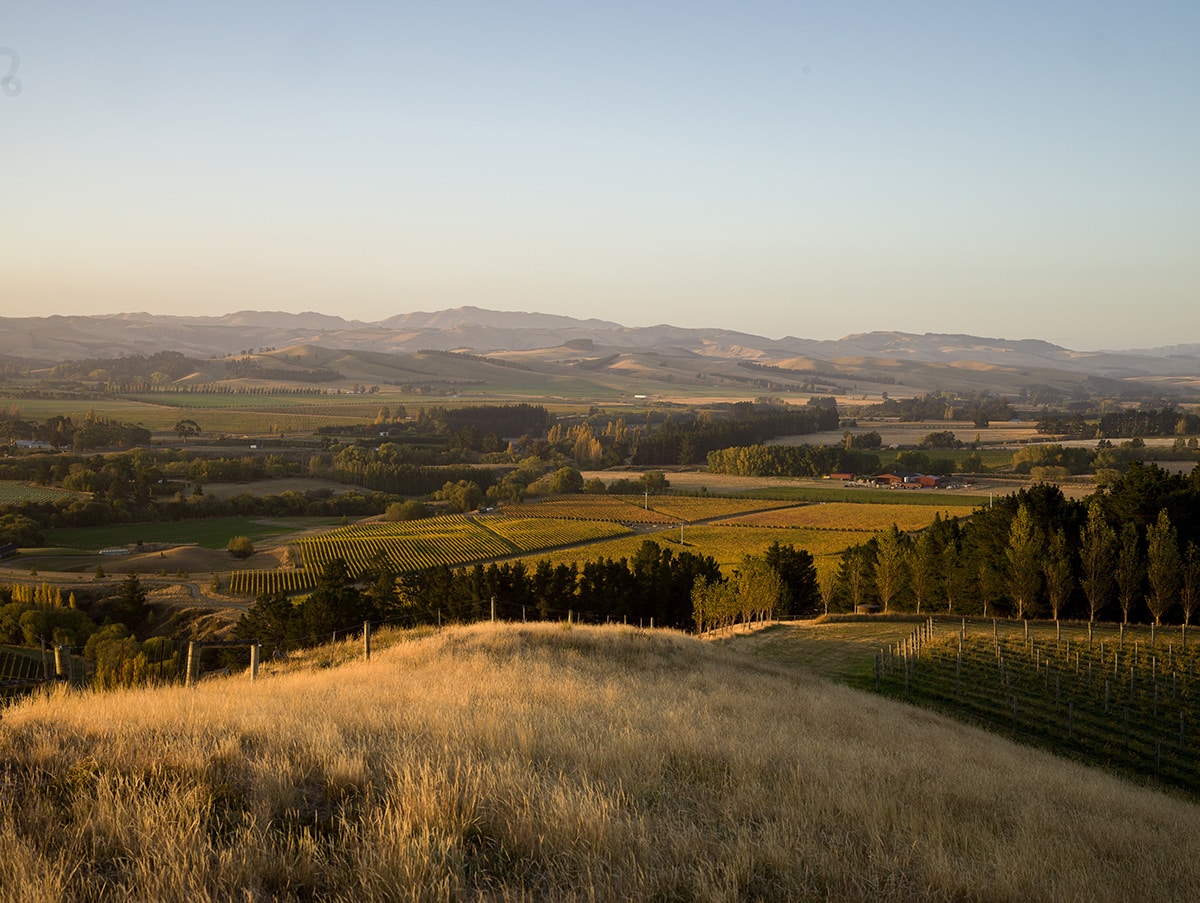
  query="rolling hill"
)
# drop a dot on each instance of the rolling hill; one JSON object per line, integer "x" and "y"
{"x": 567, "y": 356}
{"x": 554, "y": 763}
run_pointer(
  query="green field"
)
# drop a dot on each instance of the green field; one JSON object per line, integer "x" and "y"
{"x": 15, "y": 493}
{"x": 210, "y": 534}
{"x": 838, "y": 650}
{"x": 991, "y": 457}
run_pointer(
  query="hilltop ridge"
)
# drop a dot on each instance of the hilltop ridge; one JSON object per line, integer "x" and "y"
{"x": 501, "y": 761}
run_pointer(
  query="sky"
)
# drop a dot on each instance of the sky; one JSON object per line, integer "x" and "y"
{"x": 816, "y": 169}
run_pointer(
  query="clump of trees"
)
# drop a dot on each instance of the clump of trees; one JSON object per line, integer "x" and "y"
{"x": 1128, "y": 552}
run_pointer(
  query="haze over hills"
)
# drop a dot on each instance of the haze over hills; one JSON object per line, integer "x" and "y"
{"x": 560, "y": 346}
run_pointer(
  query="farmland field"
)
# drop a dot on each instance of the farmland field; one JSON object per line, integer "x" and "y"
{"x": 592, "y": 507}
{"x": 871, "y": 518}
{"x": 658, "y": 509}
{"x": 214, "y": 533}
{"x": 13, "y": 492}
{"x": 826, "y": 491}
{"x": 694, "y": 508}
{"x": 726, "y": 545}
{"x": 414, "y": 545}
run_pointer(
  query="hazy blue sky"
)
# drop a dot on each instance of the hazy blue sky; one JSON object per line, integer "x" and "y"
{"x": 1006, "y": 169}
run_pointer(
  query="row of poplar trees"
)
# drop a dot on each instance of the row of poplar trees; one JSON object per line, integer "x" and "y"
{"x": 1128, "y": 552}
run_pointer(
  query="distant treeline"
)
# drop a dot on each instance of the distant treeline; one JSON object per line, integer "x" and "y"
{"x": 979, "y": 407}
{"x": 91, "y": 432}
{"x": 128, "y": 369}
{"x": 382, "y": 469}
{"x": 1125, "y": 424}
{"x": 656, "y": 583}
{"x": 690, "y": 438}
{"x": 791, "y": 461}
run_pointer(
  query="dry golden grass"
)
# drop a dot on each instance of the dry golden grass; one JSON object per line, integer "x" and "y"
{"x": 848, "y": 516}
{"x": 548, "y": 763}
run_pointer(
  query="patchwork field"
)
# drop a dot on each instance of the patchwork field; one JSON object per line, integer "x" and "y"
{"x": 414, "y": 545}
{"x": 845, "y": 516}
{"x": 13, "y": 492}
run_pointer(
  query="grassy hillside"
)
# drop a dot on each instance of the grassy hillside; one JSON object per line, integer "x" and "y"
{"x": 543, "y": 762}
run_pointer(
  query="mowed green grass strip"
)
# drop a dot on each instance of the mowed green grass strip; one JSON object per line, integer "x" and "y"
{"x": 840, "y": 651}
{"x": 210, "y": 534}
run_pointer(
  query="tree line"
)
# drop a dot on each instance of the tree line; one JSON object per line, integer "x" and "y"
{"x": 656, "y": 585}
{"x": 1128, "y": 553}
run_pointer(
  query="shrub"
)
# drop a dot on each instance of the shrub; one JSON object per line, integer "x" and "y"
{"x": 240, "y": 547}
{"x": 410, "y": 510}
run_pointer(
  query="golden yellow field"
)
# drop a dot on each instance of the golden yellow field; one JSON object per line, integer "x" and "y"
{"x": 693, "y": 508}
{"x": 590, "y": 507}
{"x": 549, "y": 763}
{"x": 872, "y": 518}
{"x": 725, "y": 544}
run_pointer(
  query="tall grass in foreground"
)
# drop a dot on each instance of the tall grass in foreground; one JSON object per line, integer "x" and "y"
{"x": 541, "y": 762}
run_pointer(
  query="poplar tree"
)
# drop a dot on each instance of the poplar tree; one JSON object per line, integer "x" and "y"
{"x": 1162, "y": 565}
{"x": 1058, "y": 571}
{"x": 1190, "y": 595}
{"x": 922, "y": 567}
{"x": 1098, "y": 544}
{"x": 1024, "y": 561}
{"x": 1129, "y": 570}
{"x": 889, "y": 565}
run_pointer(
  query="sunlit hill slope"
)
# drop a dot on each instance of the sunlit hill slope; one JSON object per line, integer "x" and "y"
{"x": 553, "y": 763}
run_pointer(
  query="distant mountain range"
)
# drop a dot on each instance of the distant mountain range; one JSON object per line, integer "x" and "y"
{"x": 560, "y": 344}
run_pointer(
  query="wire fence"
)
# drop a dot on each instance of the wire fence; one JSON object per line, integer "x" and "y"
{"x": 164, "y": 661}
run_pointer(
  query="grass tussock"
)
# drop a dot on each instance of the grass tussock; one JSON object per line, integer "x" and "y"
{"x": 540, "y": 762}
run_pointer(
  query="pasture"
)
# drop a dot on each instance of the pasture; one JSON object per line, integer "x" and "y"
{"x": 213, "y": 533}
{"x": 543, "y": 762}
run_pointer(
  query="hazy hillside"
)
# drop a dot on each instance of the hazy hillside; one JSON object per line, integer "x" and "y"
{"x": 540, "y": 762}
{"x": 694, "y": 358}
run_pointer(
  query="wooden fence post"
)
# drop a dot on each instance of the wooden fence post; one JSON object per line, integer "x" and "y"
{"x": 62, "y": 663}
{"x": 193, "y": 663}
{"x": 367, "y": 640}
{"x": 255, "y": 656}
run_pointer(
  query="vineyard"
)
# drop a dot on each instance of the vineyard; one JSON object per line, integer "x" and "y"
{"x": 694, "y": 508}
{"x": 663, "y": 509}
{"x": 15, "y": 493}
{"x": 846, "y": 516}
{"x": 1123, "y": 701}
{"x": 415, "y": 545}
{"x": 19, "y": 668}
{"x": 591, "y": 507}
{"x": 726, "y": 545}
